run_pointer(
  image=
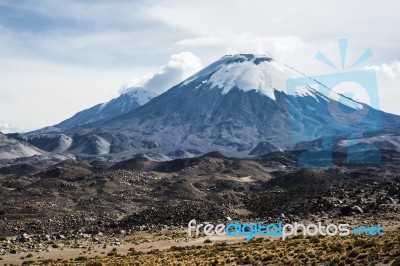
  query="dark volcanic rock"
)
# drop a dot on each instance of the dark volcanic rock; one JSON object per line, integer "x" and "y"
{"x": 182, "y": 214}
{"x": 72, "y": 199}
{"x": 263, "y": 147}
{"x": 19, "y": 169}
{"x": 349, "y": 210}
{"x": 67, "y": 170}
{"x": 138, "y": 164}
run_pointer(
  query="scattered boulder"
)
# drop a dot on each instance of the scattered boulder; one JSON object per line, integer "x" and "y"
{"x": 351, "y": 210}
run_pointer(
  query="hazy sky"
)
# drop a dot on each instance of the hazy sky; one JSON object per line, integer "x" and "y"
{"x": 61, "y": 56}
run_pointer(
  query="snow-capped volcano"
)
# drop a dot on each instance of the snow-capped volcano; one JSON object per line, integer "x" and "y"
{"x": 235, "y": 105}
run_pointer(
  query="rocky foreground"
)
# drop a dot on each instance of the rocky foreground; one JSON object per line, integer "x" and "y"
{"x": 72, "y": 209}
{"x": 309, "y": 251}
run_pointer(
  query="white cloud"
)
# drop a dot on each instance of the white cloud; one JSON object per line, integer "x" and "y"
{"x": 201, "y": 41}
{"x": 392, "y": 69}
{"x": 179, "y": 67}
{"x": 319, "y": 20}
{"x": 7, "y": 128}
{"x": 388, "y": 75}
{"x": 277, "y": 47}
{"x": 93, "y": 48}
{"x": 312, "y": 21}
{"x": 320, "y": 13}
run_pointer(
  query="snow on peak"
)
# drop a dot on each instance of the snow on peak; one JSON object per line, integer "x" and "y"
{"x": 134, "y": 94}
{"x": 265, "y": 75}
{"x": 140, "y": 95}
{"x": 246, "y": 72}
{"x": 245, "y": 76}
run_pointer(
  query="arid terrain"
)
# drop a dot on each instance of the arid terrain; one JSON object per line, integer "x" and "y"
{"x": 136, "y": 211}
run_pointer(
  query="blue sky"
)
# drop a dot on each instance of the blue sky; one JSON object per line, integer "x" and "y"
{"x": 62, "y": 56}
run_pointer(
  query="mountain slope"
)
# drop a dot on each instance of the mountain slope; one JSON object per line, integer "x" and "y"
{"x": 234, "y": 105}
{"x": 12, "y": 149}
{"x": 125, "y": 103}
